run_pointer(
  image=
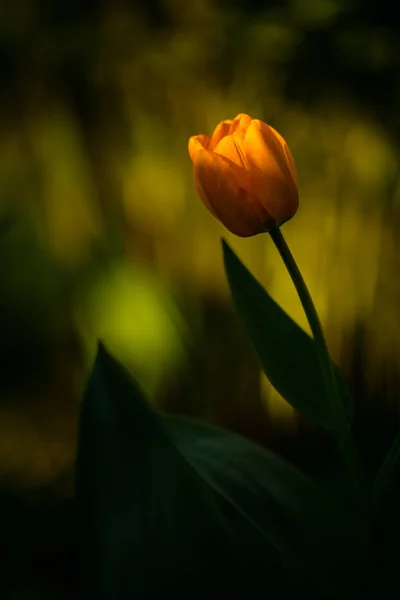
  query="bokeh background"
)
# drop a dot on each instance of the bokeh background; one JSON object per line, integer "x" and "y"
{"x": 102, "y": 235}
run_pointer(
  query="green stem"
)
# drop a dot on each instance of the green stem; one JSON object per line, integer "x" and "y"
{"x": 342, "y": 429}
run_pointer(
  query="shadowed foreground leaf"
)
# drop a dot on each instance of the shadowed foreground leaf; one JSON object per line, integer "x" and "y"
{"x": 173, "y": 506}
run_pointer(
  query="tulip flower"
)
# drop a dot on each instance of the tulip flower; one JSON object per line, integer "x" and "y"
{"x": 245, "y": 175}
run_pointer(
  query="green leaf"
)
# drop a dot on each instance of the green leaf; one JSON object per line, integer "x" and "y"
{"x": 169, "y": 505}
{"x": 260, "y": 484}
{"x": 287, "y": 353}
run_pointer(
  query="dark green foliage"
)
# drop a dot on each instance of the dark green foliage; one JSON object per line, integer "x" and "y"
{"x": 172, "y": 506}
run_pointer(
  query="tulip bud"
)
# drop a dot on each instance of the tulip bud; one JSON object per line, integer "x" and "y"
{"x": 245, "y": 175}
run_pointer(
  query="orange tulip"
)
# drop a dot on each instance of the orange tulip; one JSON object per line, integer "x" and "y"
{"x": 245, "y": 175}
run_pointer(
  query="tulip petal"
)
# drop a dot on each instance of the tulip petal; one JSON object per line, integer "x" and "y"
{"x": 197, "y": 143}
{"x": 264, "y": 149}
{"x": 232, "y": 147}
{"x": 240, "y": 123}
{"x": 223, "y": 187}
{"x": 221, "y": 130}
{"x": 288, "y": 155}
{"x": 202, "y": 194}
{"x": 195, "y": 148}
{"x": 272, "y": 183}
{"x": 274, "y": 144}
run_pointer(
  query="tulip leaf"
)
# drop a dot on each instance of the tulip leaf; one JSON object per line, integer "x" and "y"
{"x": 287, "y": 353}
{"x": 168, "y": 506}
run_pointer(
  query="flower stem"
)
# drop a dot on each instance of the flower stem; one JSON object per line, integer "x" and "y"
{"x": 341, "y": 425}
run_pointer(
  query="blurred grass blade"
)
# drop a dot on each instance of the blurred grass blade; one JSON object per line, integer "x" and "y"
{"x": 169, "y": 506}
{"x": 287, "y": 353}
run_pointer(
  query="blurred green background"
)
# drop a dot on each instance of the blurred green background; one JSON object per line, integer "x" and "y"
{"x": 102, "y": 235}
